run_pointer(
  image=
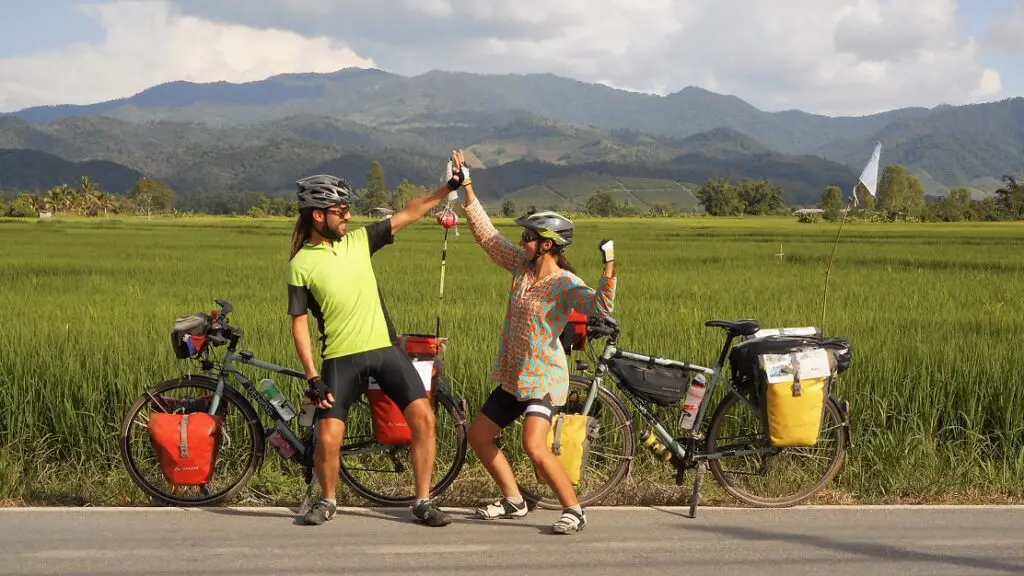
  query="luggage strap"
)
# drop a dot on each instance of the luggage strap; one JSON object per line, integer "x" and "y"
{"x": 183, "y": 447}
{"x": 556, "y": 445}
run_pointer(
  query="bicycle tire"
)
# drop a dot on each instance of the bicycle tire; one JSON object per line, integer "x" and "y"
{"x": 715, "y": 466}
{"x": 622, "y": 416}
{"x": 443, "y": 398}
{"x": 230, "y": 396}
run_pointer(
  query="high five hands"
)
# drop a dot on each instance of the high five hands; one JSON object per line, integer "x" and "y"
{"x": 456, "y": 173}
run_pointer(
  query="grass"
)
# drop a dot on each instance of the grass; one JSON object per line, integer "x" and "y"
{"x": 86, "y": 308}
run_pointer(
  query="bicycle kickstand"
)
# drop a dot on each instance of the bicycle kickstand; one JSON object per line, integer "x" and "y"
{"x": 310, "y": 479}
{"x": 702, "y": 467}
{"x": 307, "y": 502}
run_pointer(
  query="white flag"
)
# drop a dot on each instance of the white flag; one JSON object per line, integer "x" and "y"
{"x": 869, "y": 177}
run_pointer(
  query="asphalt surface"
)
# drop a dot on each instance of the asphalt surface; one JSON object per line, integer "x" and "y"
{"x": 636, "y": 541}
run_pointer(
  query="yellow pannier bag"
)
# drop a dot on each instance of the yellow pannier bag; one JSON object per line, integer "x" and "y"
{"x": 797, "y": 386}
{"x": 569, "y": 439}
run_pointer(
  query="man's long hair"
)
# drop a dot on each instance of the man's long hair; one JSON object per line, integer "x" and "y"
{"x": 303, "y": 230}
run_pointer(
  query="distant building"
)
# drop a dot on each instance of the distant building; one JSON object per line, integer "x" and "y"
{"x": 381, "y": 212}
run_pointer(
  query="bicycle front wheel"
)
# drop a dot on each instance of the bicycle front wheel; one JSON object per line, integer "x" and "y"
{"x": 775, "y": 480}
{"x": 383, "y": 474}
{"x": 241, "y": 446}
{"x": 610, "y": 453}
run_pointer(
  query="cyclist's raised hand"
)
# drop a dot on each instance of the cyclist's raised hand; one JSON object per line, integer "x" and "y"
{"x": 454, "y": 177}
{"x": 608, "y": 257}
{"x": 456, "y": 173}
{"x": 607, "y": 251}
{"x": 318, "y": 393}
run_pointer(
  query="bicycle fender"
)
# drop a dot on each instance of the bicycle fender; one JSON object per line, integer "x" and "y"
{"x": 441, "y": 389}
{"x": 844, "y": 410}
{"x": 625, "y": 410}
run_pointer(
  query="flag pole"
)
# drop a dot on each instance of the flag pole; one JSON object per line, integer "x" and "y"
{"x": 828, "y": 271}
{"x": 869, "y": 178}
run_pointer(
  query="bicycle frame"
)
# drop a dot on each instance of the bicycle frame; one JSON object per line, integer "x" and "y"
{"x": 228, "y": 369}
{"x": 717, "y": 376}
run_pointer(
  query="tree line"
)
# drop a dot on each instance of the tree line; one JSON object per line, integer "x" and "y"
{"x": 87, "y": 198}
{"x": 900, "y": 197}
{"x": 151, "y": 196}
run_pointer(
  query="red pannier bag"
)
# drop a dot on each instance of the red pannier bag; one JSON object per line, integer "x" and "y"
{"x": 186, "y": 445}
{"x": 389, "y": 423}
{"x": 574, "y": 335}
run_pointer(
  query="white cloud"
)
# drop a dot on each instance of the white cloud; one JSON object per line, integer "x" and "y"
{"x": 1006, "y": 34}
{"x": 991, "y": 83}
{"x": 148, "y": 43}
{"x": 828, "y": 56}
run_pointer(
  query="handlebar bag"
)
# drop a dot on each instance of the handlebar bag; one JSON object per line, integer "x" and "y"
{"x": 574, "y": 335}
{"x": 188, "y": 336}
{"x": 421, "y": 345}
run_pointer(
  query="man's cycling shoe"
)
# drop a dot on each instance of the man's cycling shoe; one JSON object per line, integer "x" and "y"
{"x": 428, "y": 513}
{"x": 321, "y": 512}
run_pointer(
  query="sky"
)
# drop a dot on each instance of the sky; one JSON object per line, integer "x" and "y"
{"x": 834, "y": 57}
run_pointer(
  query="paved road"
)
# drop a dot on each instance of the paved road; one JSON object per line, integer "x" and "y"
{"x": 813, "y": 541}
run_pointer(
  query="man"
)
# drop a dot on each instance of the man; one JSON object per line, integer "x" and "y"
{"x": 331, "y": 276}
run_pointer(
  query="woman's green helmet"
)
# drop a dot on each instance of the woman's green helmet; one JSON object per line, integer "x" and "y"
{"x": 548, "y": 224}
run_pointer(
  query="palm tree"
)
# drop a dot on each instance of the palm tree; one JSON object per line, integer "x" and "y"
{"x": 87, "y": 195}
{"x": 1011, "y": 197}
{"x": 59, "y": 199}
{"x": 105, "y": 202}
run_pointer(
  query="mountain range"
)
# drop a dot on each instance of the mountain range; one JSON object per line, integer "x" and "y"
{"x": 525, "y": 135}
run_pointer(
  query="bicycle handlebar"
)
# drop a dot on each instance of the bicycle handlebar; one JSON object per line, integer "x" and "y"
{"x": 222, "y": 332}
{"x": 602, "y": 327}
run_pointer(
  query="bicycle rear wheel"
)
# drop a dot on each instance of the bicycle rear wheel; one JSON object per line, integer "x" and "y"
{"x": 383, "y": 474}
{"x": 783, "y": 479}
{"x": 240, "y": 455}
{"x": 611, "y": 453}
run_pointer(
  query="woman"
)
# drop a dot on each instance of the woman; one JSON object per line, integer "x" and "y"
{"x": 531, "y": 369}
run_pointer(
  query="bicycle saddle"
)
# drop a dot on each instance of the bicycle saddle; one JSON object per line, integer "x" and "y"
{"x": 739, "y": 327}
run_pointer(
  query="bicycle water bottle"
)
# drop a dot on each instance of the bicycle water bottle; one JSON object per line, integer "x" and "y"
{"x": 650, "y": 440}
{"x": 281, "y": 444}
{"x": 277, "y": 399}
{"x": 694, "y": 398}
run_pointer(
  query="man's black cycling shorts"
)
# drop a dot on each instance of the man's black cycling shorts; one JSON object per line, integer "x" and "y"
{"x": 390, "y": 367}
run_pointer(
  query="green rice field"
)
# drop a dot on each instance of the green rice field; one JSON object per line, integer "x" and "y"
{"x": 933, "y": 311}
